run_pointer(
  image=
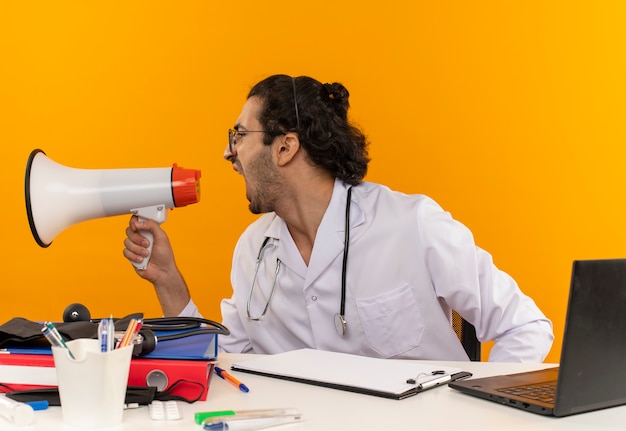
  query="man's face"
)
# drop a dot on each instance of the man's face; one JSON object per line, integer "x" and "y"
{"x": 253, "y": 160}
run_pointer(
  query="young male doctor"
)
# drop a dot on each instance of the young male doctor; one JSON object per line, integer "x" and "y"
{"x": 336, "y": 263}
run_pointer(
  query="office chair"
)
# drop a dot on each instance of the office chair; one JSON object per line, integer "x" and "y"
{"x": 467, "y": 335}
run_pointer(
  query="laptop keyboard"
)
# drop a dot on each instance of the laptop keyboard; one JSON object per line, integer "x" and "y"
{"x": 543, "y": 392}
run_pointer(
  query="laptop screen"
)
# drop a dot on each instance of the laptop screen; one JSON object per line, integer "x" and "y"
{"x": 592, "y": 371}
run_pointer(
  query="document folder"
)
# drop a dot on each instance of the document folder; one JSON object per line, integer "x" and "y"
{"x": 189, "y": 379}
{"x": 176, "y": 338}
{"x": 388, "y": 378}
{"x": 26, "y": 371}
{"x": 199, "y": 346}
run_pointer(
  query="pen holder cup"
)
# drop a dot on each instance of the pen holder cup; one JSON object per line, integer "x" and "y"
{"x": 92, "y": 386}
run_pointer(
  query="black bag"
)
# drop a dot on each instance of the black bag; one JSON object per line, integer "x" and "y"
{"x": 24, "y": 333}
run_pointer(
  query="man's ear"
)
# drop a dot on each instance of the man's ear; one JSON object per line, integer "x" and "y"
{"x": 286, "y": 148}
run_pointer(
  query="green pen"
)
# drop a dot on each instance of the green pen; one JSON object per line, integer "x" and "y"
{"x": 52, "y": 334}
{"x": 200, "y": 417}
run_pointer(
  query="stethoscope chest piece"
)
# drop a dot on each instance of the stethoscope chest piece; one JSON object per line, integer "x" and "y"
{"x": 340, "y": 324}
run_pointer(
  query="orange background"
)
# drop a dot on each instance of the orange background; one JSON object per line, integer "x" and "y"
{"x": 510, "y": 114}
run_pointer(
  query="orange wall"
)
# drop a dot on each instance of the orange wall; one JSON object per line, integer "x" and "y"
{"x": 509, "y": 114}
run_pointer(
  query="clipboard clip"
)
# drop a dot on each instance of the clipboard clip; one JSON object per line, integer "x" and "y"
{"x": 444, "y": 378}
{"x": 415, "y": 379}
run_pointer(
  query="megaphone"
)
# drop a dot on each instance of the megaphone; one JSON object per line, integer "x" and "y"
{"x": 58, "y": 196}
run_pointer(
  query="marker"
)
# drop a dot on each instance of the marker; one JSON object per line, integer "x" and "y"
{"x": 201, "y": 417}
{"x": 227, "y": 376}
{"x": 38, "y": 405}
{"x": 244, "y": 420}
{"x": 248, "y": 424}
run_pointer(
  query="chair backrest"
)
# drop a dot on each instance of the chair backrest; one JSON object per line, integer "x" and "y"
{"x": 467, "y": 335}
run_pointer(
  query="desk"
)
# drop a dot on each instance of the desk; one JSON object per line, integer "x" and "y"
{"x": 441, "y": 408}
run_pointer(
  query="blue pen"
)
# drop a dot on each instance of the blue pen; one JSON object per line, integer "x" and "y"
{"x": 111, "y": 334}
{"x": 227, "y": 376}
{"x": 103, "y": 335}
{"x": 249, "y": 422}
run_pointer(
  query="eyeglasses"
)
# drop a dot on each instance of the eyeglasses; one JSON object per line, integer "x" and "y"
{"x": 256, "y": 271}
{"x": 234, "y": 135}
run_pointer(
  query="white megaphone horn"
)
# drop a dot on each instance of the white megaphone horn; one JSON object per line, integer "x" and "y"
{"x": 58, "y": 196}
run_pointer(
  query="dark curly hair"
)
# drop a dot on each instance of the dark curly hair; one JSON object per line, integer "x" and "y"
{"x": 319, "y": 114}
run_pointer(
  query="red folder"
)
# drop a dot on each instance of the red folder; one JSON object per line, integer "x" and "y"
{"x": 188, "y": 379}
{"x": 15, "y": 375}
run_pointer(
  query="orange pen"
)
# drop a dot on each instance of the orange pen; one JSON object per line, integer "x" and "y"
{"x": 133, "y": 327}
{"x": 227, "y": 376}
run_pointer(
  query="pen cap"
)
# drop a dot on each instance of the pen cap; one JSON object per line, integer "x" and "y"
{"x": 15, "y": 412}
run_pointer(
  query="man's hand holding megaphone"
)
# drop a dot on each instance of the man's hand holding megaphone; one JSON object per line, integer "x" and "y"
{"x": 161, "y": 271}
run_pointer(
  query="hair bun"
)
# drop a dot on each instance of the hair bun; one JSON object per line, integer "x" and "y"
{"x": 334, "y": 91}
{"x": 337, "y": 98}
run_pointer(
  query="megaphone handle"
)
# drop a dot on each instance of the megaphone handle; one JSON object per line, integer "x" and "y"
{"x": 144, "y": 263}
{"x": 156, "y": 213}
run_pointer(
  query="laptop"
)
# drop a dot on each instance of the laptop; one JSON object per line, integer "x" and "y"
{"x": 592, "y": 371}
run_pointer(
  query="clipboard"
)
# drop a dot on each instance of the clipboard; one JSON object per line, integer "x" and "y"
{"x": 388, "y": 378}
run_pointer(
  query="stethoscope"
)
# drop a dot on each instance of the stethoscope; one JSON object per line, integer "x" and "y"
{"x": 153, "y": 330}
{"x": 341, "y": 323}
{"x": 340, "y": 318}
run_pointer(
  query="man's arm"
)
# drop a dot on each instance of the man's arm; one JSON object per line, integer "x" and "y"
{"x": 162, "y": 272}
{"x": 465, "y": 276}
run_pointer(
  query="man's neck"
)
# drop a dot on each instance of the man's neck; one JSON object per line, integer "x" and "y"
{"x": 303, "y": 212}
